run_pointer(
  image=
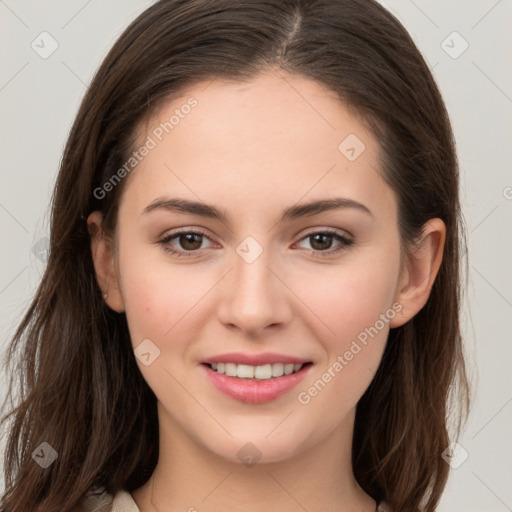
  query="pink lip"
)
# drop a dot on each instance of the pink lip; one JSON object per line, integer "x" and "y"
{"x": 255, "y": 359}
{"x": 255, "y": 391}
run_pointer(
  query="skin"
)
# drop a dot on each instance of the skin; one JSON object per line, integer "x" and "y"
{"x": 252, "y": 150}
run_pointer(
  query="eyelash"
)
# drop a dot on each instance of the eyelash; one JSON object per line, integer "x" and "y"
{"x": 344, "y": 242}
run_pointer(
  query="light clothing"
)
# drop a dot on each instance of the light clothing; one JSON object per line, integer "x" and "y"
{"x": 123, "y": 502}
{"x": 98, "y": 500}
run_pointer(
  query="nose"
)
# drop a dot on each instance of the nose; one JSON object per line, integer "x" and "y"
{"x": 254, "y": 297}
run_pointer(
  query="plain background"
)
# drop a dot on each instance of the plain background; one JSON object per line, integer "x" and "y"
{"x": 40, "y": 96}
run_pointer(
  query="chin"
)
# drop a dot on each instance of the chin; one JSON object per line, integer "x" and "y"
{"x": 252, "y": 446}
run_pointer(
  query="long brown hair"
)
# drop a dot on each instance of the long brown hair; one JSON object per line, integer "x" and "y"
{"x": 71, "y": 358}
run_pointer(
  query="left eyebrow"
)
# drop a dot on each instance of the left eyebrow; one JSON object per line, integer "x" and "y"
{"x": 315, "y": 207}
{"x": 293, "y": 212}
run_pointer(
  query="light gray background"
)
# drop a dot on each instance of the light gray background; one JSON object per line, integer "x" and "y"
{"x": 39, "y": 98}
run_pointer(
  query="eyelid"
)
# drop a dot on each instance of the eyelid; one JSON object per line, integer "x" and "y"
{"x": 319, "y": 229}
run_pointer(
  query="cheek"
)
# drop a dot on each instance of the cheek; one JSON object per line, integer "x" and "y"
{"x": 161, "y": 305}
{"x": 350, "y": 297}
{"x": 159, "y": 299}
{"x": 353, "y": 308}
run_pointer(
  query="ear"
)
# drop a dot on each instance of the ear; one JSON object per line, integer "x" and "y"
{"x": 420, "y": 267}
{"x": 103, "y": 255}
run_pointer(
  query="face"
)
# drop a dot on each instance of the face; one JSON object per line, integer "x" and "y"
{"x": 256, "y": 278}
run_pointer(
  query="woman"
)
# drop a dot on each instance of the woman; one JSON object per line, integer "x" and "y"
{"x": 253, "y": 288}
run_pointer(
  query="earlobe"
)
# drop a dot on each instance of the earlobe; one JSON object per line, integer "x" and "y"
{"x": 421, "y": 266}
{"x": 104, "y": 263}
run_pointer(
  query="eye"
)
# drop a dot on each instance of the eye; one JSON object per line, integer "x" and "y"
{"x": 187, "y": 241}
{"x": 321, "y": 242}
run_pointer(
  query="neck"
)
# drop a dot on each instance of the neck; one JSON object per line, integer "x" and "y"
{"x": 190, "y": 477}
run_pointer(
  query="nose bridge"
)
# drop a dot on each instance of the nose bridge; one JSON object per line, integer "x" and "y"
{"x": 255, "y": 298}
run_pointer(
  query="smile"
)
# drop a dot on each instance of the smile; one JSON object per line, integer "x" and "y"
{"x": 255, "y": 384}
{"x": 263, "y": 372}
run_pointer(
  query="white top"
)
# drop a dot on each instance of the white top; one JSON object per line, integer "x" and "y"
{"x": 123, "y": 502}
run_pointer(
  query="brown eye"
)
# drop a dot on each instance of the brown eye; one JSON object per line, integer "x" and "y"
{"x": 321, "y": 241}
{"x": 190, "y": 241}
{"x": 184, "y": 243}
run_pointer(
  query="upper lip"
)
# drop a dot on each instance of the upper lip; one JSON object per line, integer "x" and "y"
{"x": 255, "y": 359}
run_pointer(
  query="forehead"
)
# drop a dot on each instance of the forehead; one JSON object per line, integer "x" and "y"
{"x": 251, "y": 143}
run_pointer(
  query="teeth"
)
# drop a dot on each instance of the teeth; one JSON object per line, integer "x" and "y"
{"x": 230, "y": 369}
{"x": 263, "y": 372}
{"x": 244, "y": 371}
{"x": 277, "y": 370}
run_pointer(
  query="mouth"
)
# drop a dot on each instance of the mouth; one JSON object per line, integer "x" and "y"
{"x": 261, "y": 372}
{"x": 255, "y": 384}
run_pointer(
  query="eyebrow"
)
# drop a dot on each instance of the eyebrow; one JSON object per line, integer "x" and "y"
{"x": 291, "y": 213}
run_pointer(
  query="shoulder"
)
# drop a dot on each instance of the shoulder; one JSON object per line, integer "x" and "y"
{"x": 99, "y": 500}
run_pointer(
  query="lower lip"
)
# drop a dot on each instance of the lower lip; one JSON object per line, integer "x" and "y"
{"x": 255, "y": 391}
